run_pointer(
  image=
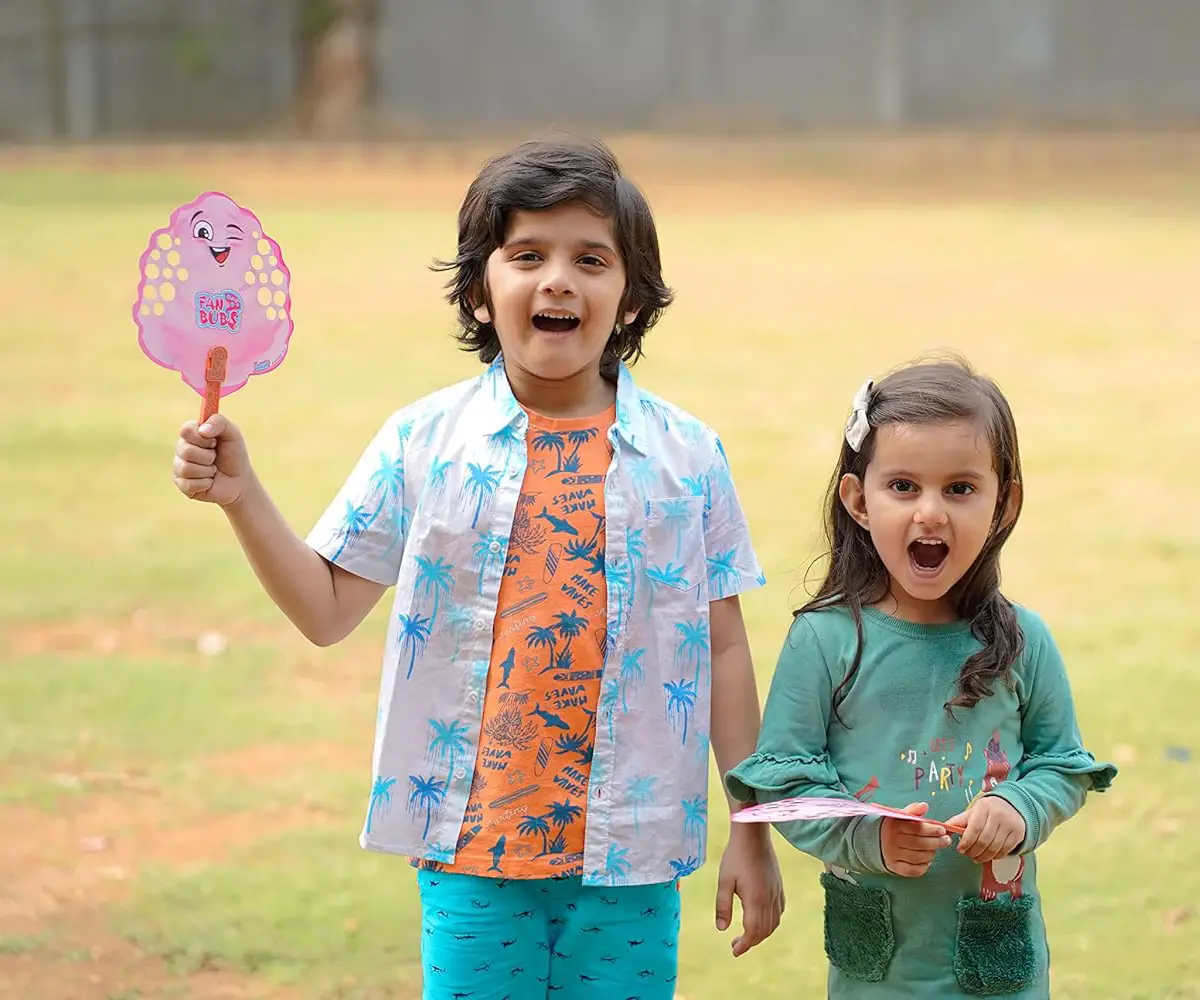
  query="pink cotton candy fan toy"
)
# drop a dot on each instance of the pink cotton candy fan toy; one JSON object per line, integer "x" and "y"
{"x": 800, "y": 808}
{"x": 213, "y": 300}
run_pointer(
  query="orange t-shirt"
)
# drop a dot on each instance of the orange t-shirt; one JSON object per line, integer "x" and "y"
{"x": 525, "y": 816}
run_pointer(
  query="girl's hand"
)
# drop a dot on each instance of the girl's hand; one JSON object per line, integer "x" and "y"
{"x": 908, "y": 848}
{"x": 994, "y": 829}
{"x": 211, "y": 461}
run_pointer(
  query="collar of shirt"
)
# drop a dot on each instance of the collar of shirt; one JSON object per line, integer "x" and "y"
{"x": 496, "y": 408}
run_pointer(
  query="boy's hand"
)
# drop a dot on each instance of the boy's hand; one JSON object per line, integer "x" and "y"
{"x": 750, "y": 870}
{"x": 994, "y": 829}
{"x": 211, "y": 461}
{"x": 908, "y": 848}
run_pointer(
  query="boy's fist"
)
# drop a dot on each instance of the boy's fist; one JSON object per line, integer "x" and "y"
{"x": 211, "y": 461}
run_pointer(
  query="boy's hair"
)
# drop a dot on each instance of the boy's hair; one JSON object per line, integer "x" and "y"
{"x": 536, "y": 176}
{"x": 932, "y": 393}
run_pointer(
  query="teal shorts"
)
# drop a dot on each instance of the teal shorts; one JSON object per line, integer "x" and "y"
{"x": 546, "y": 939}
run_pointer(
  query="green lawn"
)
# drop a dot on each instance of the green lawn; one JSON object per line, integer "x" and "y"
{"x": 788, "y": 296}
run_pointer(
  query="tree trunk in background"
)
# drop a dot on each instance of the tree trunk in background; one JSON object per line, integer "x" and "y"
{"x": 335, "y": 66}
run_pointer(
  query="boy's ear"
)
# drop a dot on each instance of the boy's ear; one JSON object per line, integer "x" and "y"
{"x": 630, "y": 315}
{"x": 854, "y": 499}
{"x": 482, "y": 314}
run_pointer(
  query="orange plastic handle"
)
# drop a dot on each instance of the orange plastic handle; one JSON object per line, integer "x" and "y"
{"x": 214, "y": 375}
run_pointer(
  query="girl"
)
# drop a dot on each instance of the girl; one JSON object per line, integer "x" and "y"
{"x": 909, "y": 676}
{"x": 567, "y": 552}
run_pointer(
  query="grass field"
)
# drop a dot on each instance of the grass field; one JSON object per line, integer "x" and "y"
{"x": 175, "y": 823}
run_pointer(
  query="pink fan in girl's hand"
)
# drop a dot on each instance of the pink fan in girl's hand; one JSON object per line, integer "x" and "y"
{"x": 213, "y": 302}
{"x": 800, "y": 808}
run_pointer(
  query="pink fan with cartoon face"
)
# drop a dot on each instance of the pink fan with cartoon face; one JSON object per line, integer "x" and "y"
{"x": 213, "y": 301}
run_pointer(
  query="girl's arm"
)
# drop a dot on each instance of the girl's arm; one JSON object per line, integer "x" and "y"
{"x": 792, "y": 758}
{"x": 1056, "y": 772}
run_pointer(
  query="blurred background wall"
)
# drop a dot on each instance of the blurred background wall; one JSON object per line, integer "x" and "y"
{"x": 84, "y": 70}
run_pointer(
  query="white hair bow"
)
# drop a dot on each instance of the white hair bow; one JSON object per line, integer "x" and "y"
{"x": 858, "y": 426}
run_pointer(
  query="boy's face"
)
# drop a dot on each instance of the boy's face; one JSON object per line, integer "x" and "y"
{"x": 554, "y": 288}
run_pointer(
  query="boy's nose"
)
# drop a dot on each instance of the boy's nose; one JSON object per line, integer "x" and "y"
{"x": 557, "y": 278}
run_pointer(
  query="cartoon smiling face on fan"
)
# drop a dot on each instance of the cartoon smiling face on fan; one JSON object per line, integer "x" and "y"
{"x": 212, "y": 276}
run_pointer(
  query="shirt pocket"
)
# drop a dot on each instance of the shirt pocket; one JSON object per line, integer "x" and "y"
{"x": 675, "y": 569}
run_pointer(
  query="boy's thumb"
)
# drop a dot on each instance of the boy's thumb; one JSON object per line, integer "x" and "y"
{"x": 218, "y": 426}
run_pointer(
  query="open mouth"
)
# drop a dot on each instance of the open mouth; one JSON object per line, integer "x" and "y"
{"x": 220, "y": 254}
{"x": 927, "y": 555}
{"x": 555, "y": 321}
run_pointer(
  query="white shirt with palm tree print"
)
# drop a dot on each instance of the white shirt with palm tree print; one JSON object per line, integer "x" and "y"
{"x": 429, "y": 508}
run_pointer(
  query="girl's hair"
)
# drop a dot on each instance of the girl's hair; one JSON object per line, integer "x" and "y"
{"x": 932, "y": 393}
{"x": 542, "y": 174}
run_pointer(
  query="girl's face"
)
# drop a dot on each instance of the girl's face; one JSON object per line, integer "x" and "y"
{"x": 554, "y": 288}
{"x": 928, "y": 499}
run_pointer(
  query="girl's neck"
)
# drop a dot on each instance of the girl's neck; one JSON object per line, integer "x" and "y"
{"x": 897, "y": 604}
{"x": 583, "y": 394}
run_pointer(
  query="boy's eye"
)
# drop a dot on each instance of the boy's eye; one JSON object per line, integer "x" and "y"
{"x": 902, "y": 486}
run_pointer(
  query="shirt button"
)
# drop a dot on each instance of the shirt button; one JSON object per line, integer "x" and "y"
{"x": 494, "y": 547}
{"x": 460, "y": 773}
{"x": 473, "y": 697}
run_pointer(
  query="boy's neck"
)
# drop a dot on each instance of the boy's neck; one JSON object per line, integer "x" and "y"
{"x": 581, "y": 395}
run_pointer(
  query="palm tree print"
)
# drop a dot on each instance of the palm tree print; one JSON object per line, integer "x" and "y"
{"x": 544, "y": 635}
{"x": 695, "y": 821}
{"x": 633, "y": 676}
{"x": 480, "y": 484}
{"x": 426, "y": 794}
{"x": 578, "y": 439}
{"x": 564, "y": 814}
{"x": 447, "y": 740}
{"x": 438, "y": 472}
{"x": 550, "y": 441}
{"x": 723, "y": 573}
{"x": 414, "y": 634}
{"x": 635, "y": 547}
{"x": 640, "y": 792}
{"x": 570, "y": 626}
{"x": 490, "y": 550}
{"x": 533, "y": 826}
{"x": 685, "y": 866}
{"x": 586, "y": 552}
{"x": 677, "y": 513}
{"x": 644, "y": 474}
{"x": 355, "y": 522}
{"x": 616, "y": 865}
{"x": 693, "y": 644}
{"x": 504, "y": 442}
{"x": 381, "y": 798}
{"x": 654, "y": 409}
{"x": 460, "y": 618}
{"x": 434, "y": 578}
{"x": 670, "y": 576}
{"x": 681, "y": 699}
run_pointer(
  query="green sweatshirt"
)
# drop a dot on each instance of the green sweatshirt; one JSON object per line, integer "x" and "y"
{"x": 961, "y": 929}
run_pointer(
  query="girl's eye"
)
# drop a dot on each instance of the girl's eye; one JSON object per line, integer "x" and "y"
{"x": 202, "y": 230}
{"x": 591, "y": 260}
{"x": 527, "y": 257}
{"x": 962, "y": 489}
{"x": 903, "y": 486}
